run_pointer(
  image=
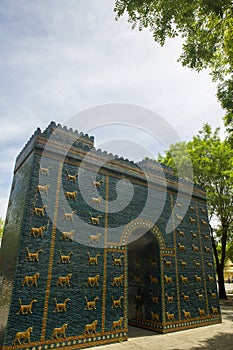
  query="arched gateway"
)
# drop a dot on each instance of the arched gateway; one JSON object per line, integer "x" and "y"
{"x": 94, "y": 242}
{"x": 145, "y": 275}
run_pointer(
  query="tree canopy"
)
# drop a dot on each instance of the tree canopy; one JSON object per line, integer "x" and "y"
{"x": 206, "y": 27}
{"x": 212, "y": 161}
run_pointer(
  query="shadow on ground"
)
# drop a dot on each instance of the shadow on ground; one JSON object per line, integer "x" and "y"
{"x": 227, "y": 308}
{"x": 135, "y": 332}
{"x": 224, "y": 340}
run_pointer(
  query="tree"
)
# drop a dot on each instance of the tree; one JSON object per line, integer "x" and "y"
{"x": 206, "y": 27}
{"x": 212, "y": 169}
{"x": 225, "y": 96}
{"x": 177, "y": 157}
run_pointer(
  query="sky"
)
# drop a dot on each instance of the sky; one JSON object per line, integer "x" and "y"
{"x": 61, "y": 57}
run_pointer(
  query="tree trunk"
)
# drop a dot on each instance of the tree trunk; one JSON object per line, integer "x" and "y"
{"x": 219, "y": 267}
{"x": 221, "y": 285}
{"x": 222, "y": 291}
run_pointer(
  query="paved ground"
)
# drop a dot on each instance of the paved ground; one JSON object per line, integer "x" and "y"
{"x": 215, "y": 337}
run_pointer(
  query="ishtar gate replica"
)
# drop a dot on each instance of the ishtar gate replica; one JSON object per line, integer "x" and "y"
{"x": 95, "y": 242}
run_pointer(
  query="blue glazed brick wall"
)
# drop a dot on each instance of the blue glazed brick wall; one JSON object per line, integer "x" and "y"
{"x": 89, "y": 280}
{"x": 25, "y": 267}
{"x": 14, "y": 225}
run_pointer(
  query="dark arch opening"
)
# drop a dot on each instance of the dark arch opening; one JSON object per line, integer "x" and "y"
{"x": 144, "y": 282}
